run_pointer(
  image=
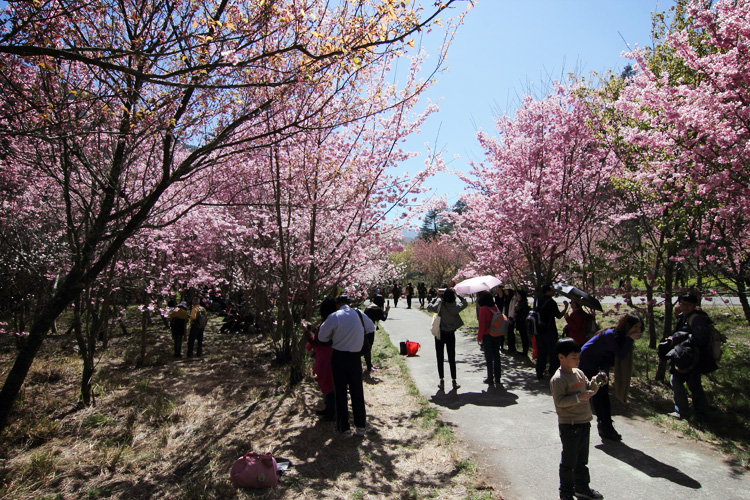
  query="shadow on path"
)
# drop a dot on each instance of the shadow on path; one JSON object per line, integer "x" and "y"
{"x": 647, "y": 464}
{"x": 493, "y": 396}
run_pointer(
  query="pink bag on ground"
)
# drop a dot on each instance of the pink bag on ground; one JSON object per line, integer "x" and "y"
{"x": 254, "y": 470}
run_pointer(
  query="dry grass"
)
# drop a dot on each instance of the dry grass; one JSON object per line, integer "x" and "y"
{"x": 173, "y": 429}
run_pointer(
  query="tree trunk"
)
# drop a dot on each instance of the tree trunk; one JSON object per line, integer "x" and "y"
{"x": 144, "y": 331}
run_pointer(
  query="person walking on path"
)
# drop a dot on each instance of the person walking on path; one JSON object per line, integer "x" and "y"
{"x": 598, "y": 355}
{"x": 409, "y": 293}
{"x": 490, "y": 344}
{"x": 396, "y": 292}
{"x": 448, "y": 307}
{"x": 178, "y": 320}
{"x": 347, "y": 328}
{"x": 693, "y": 332}
{"x": 422, "y": 292}
{"x": 545, "y": 341}
{"x": 198, "y": 320}
{"x": 571, "y": 391}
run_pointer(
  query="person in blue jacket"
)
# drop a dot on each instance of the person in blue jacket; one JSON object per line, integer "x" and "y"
{"x": 598, "y": 355}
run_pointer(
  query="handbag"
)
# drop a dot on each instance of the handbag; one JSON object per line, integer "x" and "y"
{"x": 435, "y": 326}
{"x": 412, "y": 348}
{"x": 254, "y": 470}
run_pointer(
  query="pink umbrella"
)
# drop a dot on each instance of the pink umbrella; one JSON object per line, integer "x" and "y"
{"x": 478, "y": 284}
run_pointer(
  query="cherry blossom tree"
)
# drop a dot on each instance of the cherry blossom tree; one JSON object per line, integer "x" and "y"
{"x": 118, "y": 105}
{"x": 544, "y": 180}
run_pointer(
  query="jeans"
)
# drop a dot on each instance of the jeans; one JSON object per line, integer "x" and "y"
{"x": 574, "y": 471}
{"x": 367, "y": 349}
{"x": 447, "y": 339}
{"x": 695, "y": 385}
{"x": 492, "y": 356}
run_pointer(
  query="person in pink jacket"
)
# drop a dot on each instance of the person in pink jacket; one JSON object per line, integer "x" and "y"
{"x": 322, "y": 365}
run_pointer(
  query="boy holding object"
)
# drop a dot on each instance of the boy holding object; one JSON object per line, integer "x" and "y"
{"x": 571, "y": 391}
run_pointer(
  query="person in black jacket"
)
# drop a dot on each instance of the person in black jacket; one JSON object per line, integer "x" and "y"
{"x": 690, "y": 358}
{"x": 545, "y": 341}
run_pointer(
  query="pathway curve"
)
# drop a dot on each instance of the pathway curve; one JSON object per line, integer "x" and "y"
{"x": 512, "y": 431}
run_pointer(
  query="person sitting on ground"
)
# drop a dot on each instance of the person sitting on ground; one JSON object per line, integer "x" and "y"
{"x": 598, "y": 355}
{"x": 571, "y": 391}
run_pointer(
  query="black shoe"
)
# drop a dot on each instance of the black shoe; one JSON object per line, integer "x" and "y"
{"x": 610, "y": 433}
{"x": 589, "y": 495}
{"x": 487, "y": 381}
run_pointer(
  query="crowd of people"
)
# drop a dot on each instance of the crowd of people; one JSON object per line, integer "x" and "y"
{"x": 578, "y": 365}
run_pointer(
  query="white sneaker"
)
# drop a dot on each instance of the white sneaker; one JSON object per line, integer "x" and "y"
{"x": 360, "y": 431}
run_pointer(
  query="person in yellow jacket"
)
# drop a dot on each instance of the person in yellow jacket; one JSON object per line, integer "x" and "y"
{"x": 198, "y": 319}
{"x": 178, "y": 320}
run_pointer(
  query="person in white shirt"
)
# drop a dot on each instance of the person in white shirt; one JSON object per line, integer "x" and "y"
{"x": 346, "y": 328}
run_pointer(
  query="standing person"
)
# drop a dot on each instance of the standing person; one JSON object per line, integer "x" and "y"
{"x": 409, "y": 292}
{"x": 545, "y": 340}
{"x": 450, "y": 306}
{"x": 511, "y": 336}
{"x": 396, "y": 292}
{"x": 198, "y": 320}
{"x": 692, "y": 332}
{"x": 576, "y": 321}
{"x": 522, "y": 311}
{"x": 571, "y": 391}
{"x": 347, "y": 328}
{"x": 598, "y": 355}
{"x": 322, "y": 364}
{"x": 490, "y": 344}
{"x": 431, "y": 293}
{"x": 422, "y": 291}
{"x": 377, "y": 312}
{"x": 178, "y": 320}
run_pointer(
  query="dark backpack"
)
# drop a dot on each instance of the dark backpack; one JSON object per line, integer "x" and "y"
{"x": 534, "y": 323}
{"x": 717, "y": 338}
{"x": 201, "y": 318}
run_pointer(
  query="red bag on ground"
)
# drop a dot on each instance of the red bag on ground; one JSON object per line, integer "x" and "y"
{"x": 254, "y": 470}
{"x": 412, "y": 348}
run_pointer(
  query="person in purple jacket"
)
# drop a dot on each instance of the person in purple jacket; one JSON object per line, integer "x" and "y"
{"x": 598, "y": 355}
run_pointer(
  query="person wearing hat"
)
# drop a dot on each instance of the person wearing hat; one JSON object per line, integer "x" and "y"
{"x": 347, "y": 328}
{"x": 693, "y": 326}
{"x": 178, "y": 320}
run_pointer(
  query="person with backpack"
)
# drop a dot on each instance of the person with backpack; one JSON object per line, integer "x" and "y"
{"x": 178, "y": 320}
{"x": 489, "y": 338}
{"x": 547, "y": 336}
{"x": 692, "y": 340}
{"x": 198, "y": 321}
{"x": 598, "y": 355}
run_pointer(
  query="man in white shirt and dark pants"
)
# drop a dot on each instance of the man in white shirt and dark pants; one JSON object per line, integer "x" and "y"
{"x": 346, "y": 328}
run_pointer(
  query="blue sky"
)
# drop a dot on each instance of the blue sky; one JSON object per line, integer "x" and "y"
{"x": 506, "y": 49}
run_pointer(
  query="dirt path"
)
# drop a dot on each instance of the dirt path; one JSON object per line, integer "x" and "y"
{"x": 513, "y": 432}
